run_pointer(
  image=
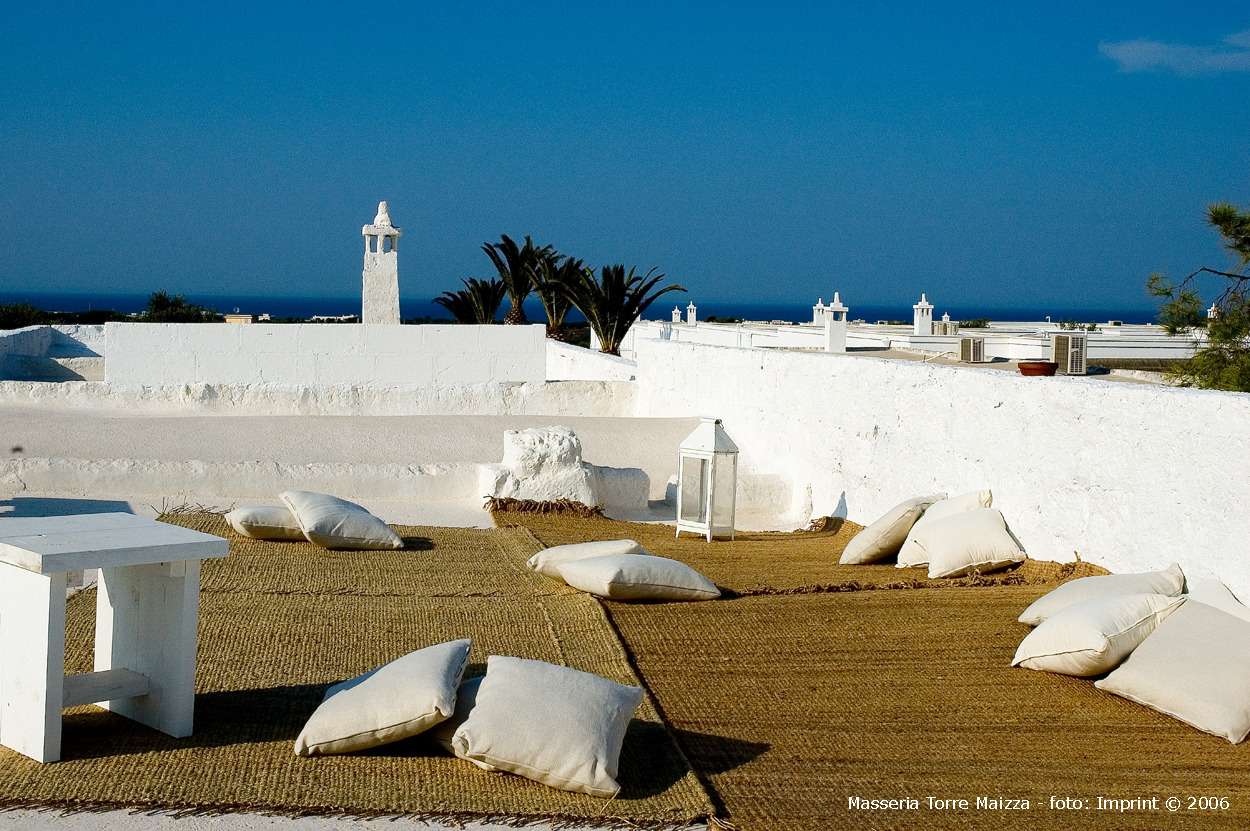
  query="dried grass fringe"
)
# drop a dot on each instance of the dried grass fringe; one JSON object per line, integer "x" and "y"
{"x": 567, "y": 507}
{"x": 822, "y": 525}
{"x": 183, "y": 508}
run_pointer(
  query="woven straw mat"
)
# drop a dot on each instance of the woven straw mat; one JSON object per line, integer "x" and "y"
{"x": 801, "y": 562}
{"x": 279, "y": 622}
{"x": 790, "y": 704}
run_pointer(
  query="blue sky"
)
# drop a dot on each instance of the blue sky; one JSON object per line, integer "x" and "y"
{"x": 993, "y": 154}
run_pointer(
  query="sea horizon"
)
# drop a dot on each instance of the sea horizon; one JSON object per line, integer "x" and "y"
{"x": 414, "y": 308}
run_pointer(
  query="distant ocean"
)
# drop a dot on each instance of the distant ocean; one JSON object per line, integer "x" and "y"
{"x": 417, "y": 308}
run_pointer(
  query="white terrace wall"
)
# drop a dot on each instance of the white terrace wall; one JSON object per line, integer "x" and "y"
{"x": 566, "y": 362}
{"x": 1128, "y": 476}
{"x": 77, "y": 341}
{"x": 52, "y": 353}
{"x": 313, "y": 354}
{"x": 15, "y": 344}
{"x": 609, "y": 399}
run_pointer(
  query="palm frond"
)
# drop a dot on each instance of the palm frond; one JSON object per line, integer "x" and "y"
{"x": 517, "y": 267}
{"x": 613, "y": 302}
{"x": 477, "y": 302}
{"x": 554, "y": 271}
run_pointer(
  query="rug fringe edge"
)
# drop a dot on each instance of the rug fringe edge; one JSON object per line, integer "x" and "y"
{"x": 70, "y": 806}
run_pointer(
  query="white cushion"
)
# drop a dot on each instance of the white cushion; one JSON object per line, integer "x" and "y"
{"x": 336, "y": 523}
{"x": 975, "y": 540}
{"x": 1095, "y": 635}
{"x": 1212, "y": 592}
{"x": 638, "y": 577}
{"x": 552, "y": 724}
{"x": 1170, "y": 581}
{"x": 392, "y": 702}
{"x": 549, "y": 560}
{"x": 1195, "y": 667}
{"x": 884, "y": 537}
{"x": 442, "y": 733}
{"x": 266, "y": 522}
{"x": 908, "y": 555}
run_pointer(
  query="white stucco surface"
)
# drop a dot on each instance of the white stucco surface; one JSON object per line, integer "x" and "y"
{"x": 380, "y": 298}
{"x": 545, "y": 464}
{"x": 77, "y": 341}
{"x": 1130, "y": 477}
{"x": 372, "y": 355}
{"x": 16, "y": 344}
{"x": 52, "y": 353}
{"x": 571, "y": 398}
{"x": 574, "y": 363}
{"x": 196, "y": 458}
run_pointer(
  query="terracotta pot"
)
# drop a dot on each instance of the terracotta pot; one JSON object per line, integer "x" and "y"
{"x": 1038, "y": 367}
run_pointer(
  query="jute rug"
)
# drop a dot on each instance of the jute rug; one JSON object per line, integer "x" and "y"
{"x": 279, "y": 622}
{"x": 803, "y": 562}
{"x": 792, "y": 706}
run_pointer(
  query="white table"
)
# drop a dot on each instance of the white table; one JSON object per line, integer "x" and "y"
{"x": 147, "y": 613}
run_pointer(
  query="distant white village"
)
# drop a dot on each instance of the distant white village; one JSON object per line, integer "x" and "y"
{"x": 994, "y": 342}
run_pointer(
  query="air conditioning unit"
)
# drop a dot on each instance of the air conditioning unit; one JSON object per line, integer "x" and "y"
{"x": 972, "y": 350}
{"x": 1069, "y": 352}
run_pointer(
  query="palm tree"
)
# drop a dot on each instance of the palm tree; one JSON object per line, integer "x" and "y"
{"x": 615, "y": 301}
{"x": 516, "y": 267}
{"x": 554, "y": 271}
{"x": 477, "y": 302}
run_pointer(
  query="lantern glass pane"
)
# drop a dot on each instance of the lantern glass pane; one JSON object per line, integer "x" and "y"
{"x": 723, "y": 493}
{"x": 694, "y": 490}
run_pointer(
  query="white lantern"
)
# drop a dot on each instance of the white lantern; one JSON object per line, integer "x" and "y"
{"x": 707, "y": 478}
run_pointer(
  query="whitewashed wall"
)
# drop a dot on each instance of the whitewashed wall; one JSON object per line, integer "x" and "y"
{"x": 566, "y": 362}
{"x": 77, "y": 341}
{"x": 19, "y": 343}
{"x": 1128, "y": 476}
{"x": 155, "y": 354}
{"x": 29, "y": 340}
{"x": 608, "y": 399}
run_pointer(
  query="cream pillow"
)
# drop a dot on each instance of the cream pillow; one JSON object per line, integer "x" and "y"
{"x": 638, "y": 577}
{"x": 442, "y": 733}
{"x": 266, "y": 522}
{"x": 549, "y": 560}
{"x": 331, "y": 522}
{"x": 885, "y": 536}
{"x": 392, "y": 702}
{"x": 1095, "y": 635}
{"x": 1195, "y": 667}
{"x": 1170, "y": 581}
{"x": 1212, "y": 592}
{"x": 908, "y": 555}
{"x": 552, "y": 724}
{"x": 976, "y": 540}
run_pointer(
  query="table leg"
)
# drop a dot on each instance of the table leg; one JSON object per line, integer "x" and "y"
{"x": 32, "y": 661}
{"x": 146, "y": 620}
